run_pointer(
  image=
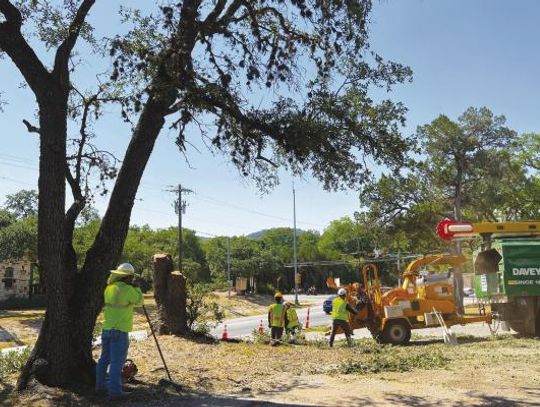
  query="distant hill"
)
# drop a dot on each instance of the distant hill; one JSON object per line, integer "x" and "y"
{"x": 260, "y": 233}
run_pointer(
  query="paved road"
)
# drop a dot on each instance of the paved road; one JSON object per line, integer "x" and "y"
{"x": 244, "y": 326}
{"x": 241, "y": 327}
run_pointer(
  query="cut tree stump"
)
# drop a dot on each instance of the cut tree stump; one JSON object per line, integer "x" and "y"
{"x": 170, "y": 296}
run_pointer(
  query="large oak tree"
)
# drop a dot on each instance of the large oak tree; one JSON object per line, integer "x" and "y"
{"x": 190, "y": 61}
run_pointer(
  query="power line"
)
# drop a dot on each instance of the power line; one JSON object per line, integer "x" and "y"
{"x": 160, "y": 187}
{"x": 220, "y": 202}
{"x": 16, "y": 181}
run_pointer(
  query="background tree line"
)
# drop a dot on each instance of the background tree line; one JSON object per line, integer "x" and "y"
{"x": 262, "y": 257}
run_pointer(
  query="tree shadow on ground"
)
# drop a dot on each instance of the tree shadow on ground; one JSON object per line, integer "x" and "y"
{"x": 5, "y": 390}
{"x": 142, "y": 394}
{"x": 6, "y": 336}
{"x": 480, "y": 400}
{"x": 461, "y": 340}
{"x": 34, "y": 323}
{"x": 153, "y": 395}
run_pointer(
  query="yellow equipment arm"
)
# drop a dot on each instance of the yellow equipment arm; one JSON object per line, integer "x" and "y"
{"x": 448, "y": 229}
{"x": 411, "y": 271}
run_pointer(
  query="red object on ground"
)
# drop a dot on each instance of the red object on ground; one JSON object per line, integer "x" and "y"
{"x": 225, "y": 334}
{"x": 307, "y": 318}
{"x": 261, "y": 328}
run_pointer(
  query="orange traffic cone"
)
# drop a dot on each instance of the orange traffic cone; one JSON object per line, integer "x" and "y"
{"x": 261, "y": 328}
{"x": 225, "y": 335}
{"x": 307, "y": 318}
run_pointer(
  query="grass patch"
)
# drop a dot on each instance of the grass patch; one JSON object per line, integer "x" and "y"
{"x": 370, "y": 357}
{"x": 13, "y": 362}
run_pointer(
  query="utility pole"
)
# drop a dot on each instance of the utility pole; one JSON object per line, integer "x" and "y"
{"x": 229, "y": 265}
{"x": 180, "y": 208}
{"x": 295, "y": 250}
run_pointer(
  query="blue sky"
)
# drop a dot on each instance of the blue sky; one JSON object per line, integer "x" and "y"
{"x": 463, "y": 53}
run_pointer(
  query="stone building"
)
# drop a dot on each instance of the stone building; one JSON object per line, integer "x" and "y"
{"x": 18, "y": 278}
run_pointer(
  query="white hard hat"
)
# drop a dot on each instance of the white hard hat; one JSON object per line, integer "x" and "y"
{"x": 124, "y": 269}
{"x": 341, "y": 291}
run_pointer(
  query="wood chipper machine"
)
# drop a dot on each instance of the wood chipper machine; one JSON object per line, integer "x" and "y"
{"x": 391, "y": 316}
{"x": 506, "y": 268}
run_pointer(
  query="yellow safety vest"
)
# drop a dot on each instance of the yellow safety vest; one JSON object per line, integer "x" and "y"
{"x": 292, "y": 318}
{"x": 339, "y": 309}
{"x": 119, "y": 299}
{"x": 277, "y": 319}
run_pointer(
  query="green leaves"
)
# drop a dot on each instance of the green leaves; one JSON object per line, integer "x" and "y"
{"x": 19, "y": 239}
{"x": 22, "y": 204}
{"x": 475, "y": 165}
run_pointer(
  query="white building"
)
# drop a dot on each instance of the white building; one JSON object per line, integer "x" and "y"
{"x": 18, "y": 278}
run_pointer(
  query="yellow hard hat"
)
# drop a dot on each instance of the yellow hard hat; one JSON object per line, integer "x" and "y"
{"x": 278, "y": 295}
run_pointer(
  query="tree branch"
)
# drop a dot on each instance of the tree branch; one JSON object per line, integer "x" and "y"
{"x": 12, "y": 13}
{"x": 31, "y": 128}
{"x": 61, "y": 68}
{"x": 214, "y": 14}
{"x": 15, "y": 46}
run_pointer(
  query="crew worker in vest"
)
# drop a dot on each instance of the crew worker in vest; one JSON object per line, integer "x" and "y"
{"x": 340, "y": 316}
{"x": 121, "y": 295}
{"x": 276, "y": 318}
{"x": 292, "y": 325}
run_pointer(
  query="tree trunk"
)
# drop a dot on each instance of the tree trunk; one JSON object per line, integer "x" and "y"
{"x": 170, "y": 295}
{"x": 51, "y": 360}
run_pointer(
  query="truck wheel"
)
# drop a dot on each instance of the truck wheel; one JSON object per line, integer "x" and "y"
{"x": 396, "y": 332}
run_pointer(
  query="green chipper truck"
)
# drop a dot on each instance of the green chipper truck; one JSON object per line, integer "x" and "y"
{"x": 506, "y": 270}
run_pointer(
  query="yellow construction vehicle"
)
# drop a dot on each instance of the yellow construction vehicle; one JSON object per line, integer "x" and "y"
{"x": 391, "y": 316}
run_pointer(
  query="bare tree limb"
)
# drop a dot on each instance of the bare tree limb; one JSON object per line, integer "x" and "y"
{"x": 31, "y": 128}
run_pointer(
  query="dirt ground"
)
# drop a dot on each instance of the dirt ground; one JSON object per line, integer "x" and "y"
{"x": 479, "y": 372}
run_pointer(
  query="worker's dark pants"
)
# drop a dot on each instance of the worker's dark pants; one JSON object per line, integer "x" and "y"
{"x": 346, "y": 328}
{"x": 276, "y": 333}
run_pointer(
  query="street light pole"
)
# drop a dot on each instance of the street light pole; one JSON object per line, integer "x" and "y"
{"x": 229, "y": 265}
{"x": 295, "y": 250}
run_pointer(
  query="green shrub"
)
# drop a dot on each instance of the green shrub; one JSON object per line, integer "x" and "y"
{"x": 13, "y": 362}
{"x": 202, "y": 315}
{"x": 263, "y": 338}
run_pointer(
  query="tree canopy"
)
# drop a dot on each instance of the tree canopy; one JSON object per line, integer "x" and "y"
{"x": 475, "y": 167}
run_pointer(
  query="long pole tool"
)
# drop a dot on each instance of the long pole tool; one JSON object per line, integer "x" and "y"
{"x": 162, "y": 382}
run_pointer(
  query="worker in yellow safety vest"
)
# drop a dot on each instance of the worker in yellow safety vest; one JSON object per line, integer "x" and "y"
{"x": 121, "y": 295}
{"x": 340, "y": 316}
{"x": 276, "y": 318}
{"x": 292, "y": 324}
